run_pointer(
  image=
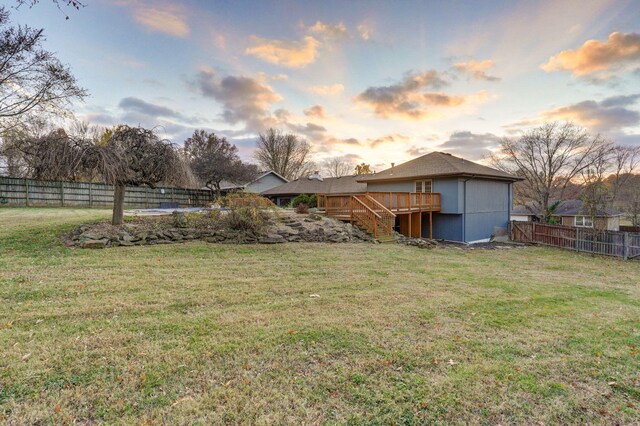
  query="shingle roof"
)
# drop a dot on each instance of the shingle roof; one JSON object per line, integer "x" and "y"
{"x": 339, "y": 185}
{"x": 437, "y": 164}
{"x": 566, "y": 208}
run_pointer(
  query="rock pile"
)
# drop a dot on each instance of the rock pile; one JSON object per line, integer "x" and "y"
{"x": 286, "y": 227}
{"x": 416, "y": 242}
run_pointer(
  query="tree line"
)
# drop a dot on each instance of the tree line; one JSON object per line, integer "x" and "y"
{"x": 561, "y": 161}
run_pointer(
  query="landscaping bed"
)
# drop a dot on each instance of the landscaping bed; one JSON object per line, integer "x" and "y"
{"x": 238, "y": 226}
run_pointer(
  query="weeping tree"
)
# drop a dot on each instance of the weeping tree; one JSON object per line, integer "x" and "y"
{"x": 134, "y": 156}
{"x": 213, "y": 159}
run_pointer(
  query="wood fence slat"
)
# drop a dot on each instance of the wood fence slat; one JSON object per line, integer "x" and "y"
{"x": 26, "y": 192}
{"x": 609, "y": 243}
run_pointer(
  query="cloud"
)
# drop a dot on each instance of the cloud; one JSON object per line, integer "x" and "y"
{"x": 618, "y": 52}
{"x": 417, "y": 151}
{"x": 347, "y": 141}
{"x": 316, "y": 111}
{"x": 131, "y": 104}
{"x": 473, "y": 146}
{"x": 364, "y": 31}
{"x": 409, "y": 98}
{"x": 388, "y": 139}
{"x": 476, "y": 69}
{"x": 312, "y": 131}
{"x": 162, "y": 17}
{"x": 329, "y": 90}
{"x": 328, "y": 31}
{"x": 244, "y": 99}
{"x": 285, "y": 53}
{"x": 609, "y": 115}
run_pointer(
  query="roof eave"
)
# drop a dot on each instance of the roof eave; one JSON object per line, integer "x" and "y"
{"x": 432, "y": 176}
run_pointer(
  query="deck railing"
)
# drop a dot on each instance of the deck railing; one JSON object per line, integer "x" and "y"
{"x": 395, "y": 202}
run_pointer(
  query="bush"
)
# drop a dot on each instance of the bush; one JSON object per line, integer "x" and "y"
{"x": 302, "y": 208}
{"x": 310, "y": 200}
{"x": 246, "y": 219}
{"x": 245, "y": 199}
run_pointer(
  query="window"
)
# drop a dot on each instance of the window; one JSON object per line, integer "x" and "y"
{"x": 422, "y": 185}
{"x": 584, "y": 221}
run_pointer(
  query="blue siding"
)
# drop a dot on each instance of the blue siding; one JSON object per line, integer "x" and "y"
{"x": 487, "y": 207}
{"x": 450, "y": 194}
{"x": 447, "y": 226}
{"x": 404, "y": 186}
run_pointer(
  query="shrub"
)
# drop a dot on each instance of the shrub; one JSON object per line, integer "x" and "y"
{"x": 310, "y": 200}
{"x": 245, "y": 199}
{"x": 302, "y": 208}
{"x": 246, "y": 219}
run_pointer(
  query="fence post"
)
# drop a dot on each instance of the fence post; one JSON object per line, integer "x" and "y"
{"x": 61, "y": 193}
{"x": 90, "y": 196}
{"x": 26, "y": 192}
{"x": 626, "y": 245}
{"x": 577, "y": 239}
{"x": 533, "y": 233}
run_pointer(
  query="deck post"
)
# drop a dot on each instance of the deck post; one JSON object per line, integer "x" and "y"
{"x": 430, "y": 225}
{"x": 410, "y": 230}
{"x": 419, "y": 215}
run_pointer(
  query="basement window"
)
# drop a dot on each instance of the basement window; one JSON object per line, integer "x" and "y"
{"x": 584, "y": 221}
{"x": 422, "y": 186}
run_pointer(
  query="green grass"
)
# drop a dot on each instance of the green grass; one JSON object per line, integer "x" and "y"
{"x": 206, "y": 334}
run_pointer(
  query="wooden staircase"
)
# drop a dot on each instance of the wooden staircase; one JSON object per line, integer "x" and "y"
{"x": 367, "y": 214}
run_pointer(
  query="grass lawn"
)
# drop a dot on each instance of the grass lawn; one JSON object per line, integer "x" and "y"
{"x": 210, "y": 334}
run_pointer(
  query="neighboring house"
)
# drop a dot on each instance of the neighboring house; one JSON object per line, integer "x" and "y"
{"x": 264, "y": 181}
{"x": 571, "y": 213}
{"x": 437, "y": 195}
{"x": 314, "y": 184}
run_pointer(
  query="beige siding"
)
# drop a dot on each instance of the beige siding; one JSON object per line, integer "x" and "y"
{"x": 568, "y": 221}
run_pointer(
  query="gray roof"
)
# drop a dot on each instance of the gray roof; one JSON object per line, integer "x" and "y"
{"x": 566, "y": 208}
{"x": 437, "y": 164}
{"x": 226, "y": 185}
{"x": 339, "y": 185}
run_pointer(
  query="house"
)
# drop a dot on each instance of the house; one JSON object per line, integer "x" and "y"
{"x": 263, "y": 181}
{"x": 314, "y": 184}
{"x": 437, "y": 195}
{"x": 571, "y": 213}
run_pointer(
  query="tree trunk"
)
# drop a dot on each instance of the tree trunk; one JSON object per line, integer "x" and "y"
{"x": 118, "y": 205}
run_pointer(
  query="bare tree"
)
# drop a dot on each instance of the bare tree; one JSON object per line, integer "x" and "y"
{"x": 285, "y": 154}
{"x": 213, "y": 160}
{"x": 338, "y": 166}
{"x": 549, "y": 158}
{"x": 31, "y": 78}
{"x": 59, "y": 3}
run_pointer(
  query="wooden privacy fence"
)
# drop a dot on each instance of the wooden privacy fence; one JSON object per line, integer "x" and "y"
{"x": 30, "y": 192}
{"x": 609, "y": 243}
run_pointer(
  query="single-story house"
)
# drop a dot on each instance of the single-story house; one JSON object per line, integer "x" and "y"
{"x": 262, "y": 182}
{"x": 571, "y": 213}
{"x": 314, "y": 184}
{"x": 437, "y": 195}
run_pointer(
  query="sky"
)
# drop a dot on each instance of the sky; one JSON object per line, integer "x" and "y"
{"x": 368, "y": 81}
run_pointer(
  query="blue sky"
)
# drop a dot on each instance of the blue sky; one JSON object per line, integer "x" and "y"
{"x": 372, "y": 81}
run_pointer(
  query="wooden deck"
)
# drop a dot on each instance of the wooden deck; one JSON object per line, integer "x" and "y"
{"x": 376, "y": 211}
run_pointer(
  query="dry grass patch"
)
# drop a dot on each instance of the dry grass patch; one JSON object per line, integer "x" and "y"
{"x": 230, "y": 334}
